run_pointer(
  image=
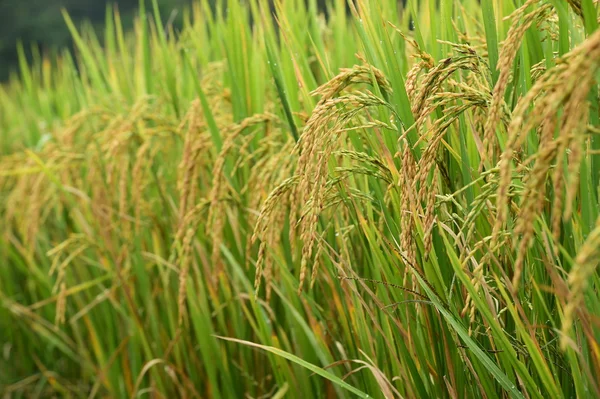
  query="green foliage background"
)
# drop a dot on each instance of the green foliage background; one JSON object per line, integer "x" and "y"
{"x": 39, "y": 23}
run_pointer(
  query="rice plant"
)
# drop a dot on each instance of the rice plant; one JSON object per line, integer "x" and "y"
{"x": 378, "y": 199}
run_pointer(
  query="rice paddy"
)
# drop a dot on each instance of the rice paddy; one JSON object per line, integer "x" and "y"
{"x": 374, "y": 199}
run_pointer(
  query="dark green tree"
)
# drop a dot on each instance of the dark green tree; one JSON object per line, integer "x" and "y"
{"x": 40, "y": 23}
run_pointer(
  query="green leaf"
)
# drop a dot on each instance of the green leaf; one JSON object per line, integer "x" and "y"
{"x": 315, "y": 369}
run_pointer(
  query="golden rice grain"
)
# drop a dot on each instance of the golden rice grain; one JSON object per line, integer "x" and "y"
{"x": 584, "y": 267}
{"x": 508, "y": 53}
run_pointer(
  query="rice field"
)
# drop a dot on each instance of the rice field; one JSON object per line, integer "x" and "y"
{"x": 375, "y": 200}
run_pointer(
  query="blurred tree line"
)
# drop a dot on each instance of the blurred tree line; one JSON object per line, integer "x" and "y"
{"x": 40, "y": 23}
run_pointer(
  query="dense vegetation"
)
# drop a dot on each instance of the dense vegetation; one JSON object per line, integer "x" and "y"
{"x": 39, "y": 24}
{"x": 395, "y": 201}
